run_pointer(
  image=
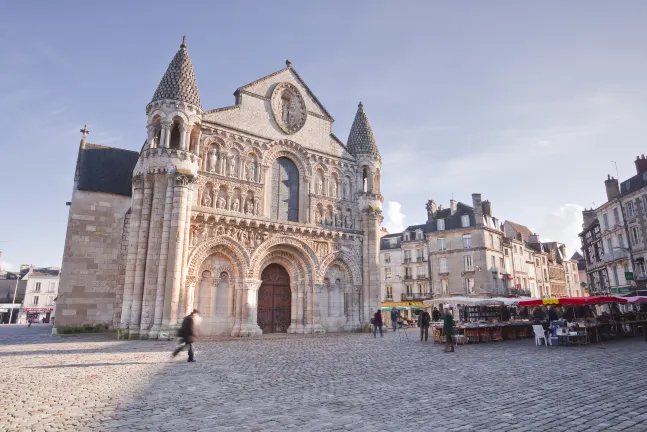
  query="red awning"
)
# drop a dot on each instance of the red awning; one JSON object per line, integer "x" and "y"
{"x": 573, "y": 301}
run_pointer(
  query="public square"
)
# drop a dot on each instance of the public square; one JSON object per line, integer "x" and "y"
{"x": 331, "y": 382}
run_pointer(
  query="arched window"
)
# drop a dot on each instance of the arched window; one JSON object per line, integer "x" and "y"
{"x": 365, "y": 179}
{"x": 285, "y": 190}
{"x": 174, "y": 142}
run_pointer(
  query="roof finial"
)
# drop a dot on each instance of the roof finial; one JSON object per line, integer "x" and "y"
{"x": 360, "y": 105}
{"x": 288, "y": 63}
{"x": 183, "y": 42}
{"x": 85, "y": 131}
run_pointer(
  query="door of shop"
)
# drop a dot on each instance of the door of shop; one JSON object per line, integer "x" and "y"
{"x": 274, "y": 300}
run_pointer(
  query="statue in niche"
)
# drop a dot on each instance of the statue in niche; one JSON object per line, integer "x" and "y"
{"x": 212, "y": 160}
{"x": 243, "y": 168}
{"x": 203, "y": 232}
{"x": 317, "y": 218}
{"x": 243, "y": 237}
{"x": 319, "y": 187}
{"x": 345, "y": 189}
{"x": 329, "y": 219}
{"x": 206, "y": 198}
{"x": 220, "y": 231}
{"x": 252, "y": 171}
{"x": 247, "y": 206}
{"x": 336, "y": 219}
{"x": 232, "y": 166}
{"x": 333, "y": 188}
{"x": 285, "y": 109}
{"x": 220, "y": 203}
{"x": 235, "y": 205}
{"x": 350, "y": 222}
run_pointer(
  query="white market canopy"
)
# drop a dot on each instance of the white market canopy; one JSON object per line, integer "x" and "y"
{"x": 473, "y": 301}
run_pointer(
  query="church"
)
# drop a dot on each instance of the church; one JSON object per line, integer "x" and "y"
{"x": 255, "y": 214}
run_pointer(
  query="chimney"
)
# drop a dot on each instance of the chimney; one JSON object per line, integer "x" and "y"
{"x": 534, "y": 238}
{"x": 641, "y": 164}
{"x": 440, "y": 207}
{"x": 478, "y": 208}
{"x": 487, "y": 208}
{"x": 452, "y": 205}
{"x": 613, "y": 188}
{"x": 588, "y": 216}
{"x": 431, "y": 210}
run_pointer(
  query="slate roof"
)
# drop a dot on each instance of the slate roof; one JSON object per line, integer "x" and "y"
{"x": 634, "y": 183}
{"x": 107, "y": 169}
{"x": 361, "y": 139}
{"x": 577, "y": 256}
{"x": 523, "y": 230}
{"x": 179, "y": 83}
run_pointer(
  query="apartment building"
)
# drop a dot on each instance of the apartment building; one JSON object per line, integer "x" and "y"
{"x": 40, "y": 293}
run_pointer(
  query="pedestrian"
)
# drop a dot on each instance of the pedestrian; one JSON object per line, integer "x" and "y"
{"x": 435, "y": 314}
{"x": 552, "y": 314}
{"x": 394, "y": 317}
{"x": 424, "y": 319}
{"x": 188, "y": 333}
{"x": 505, "y": 314}
{"x": 448, "y": 330}
{"x": 377, "y": 323}
{"x": 29, "y": 321}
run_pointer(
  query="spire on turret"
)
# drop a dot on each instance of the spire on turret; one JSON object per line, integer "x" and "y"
{"x": 178, "y": 83}
{"x": 361, "y": 139}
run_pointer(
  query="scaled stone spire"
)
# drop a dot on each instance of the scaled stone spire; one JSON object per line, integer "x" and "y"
{"x": 360, "y": 139}
{"x": 179, "y": 81}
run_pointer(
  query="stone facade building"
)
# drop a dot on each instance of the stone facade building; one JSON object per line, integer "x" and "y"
{"x": 40, "y": 291}
{"x": 256, "y": 214}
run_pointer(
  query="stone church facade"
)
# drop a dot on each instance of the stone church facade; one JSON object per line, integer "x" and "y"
{"x": 256, "y": 214}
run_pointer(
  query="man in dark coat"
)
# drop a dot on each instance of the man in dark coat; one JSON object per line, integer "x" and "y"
{"x": 188, "y": 333}
{"x": 448, "y": 330}
{"x": 377, "y": 323}
{"x": 435, "y": 315}
{"x": 424, "y": 319}
{"x": 394, "y": 317}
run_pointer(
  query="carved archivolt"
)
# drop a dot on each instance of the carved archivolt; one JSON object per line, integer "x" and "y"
{"x": 294, "y": 267}
{"x": 292, "y": 150}
{"x": 229, "y": 247}
{"x": 338, "y": 258}
{"x": 301, "y": 247}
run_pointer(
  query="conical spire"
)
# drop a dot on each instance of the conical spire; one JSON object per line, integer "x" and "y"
{"x": 360, "y": 139}
{"x": 178, "y": 83}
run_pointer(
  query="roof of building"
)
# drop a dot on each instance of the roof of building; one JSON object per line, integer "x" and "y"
{"x": 44, "y": 272}
{"x": 107, "y": 169}
{"x": 577, "y": 256}
{"x": 521, "y": 229}
{"x": 361, "y": 139}
{"x": 634, "y": 183}
{"x": 298, "y": 77}
{"x": 179, "y": 83}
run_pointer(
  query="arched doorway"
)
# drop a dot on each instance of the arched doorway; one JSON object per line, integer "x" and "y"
{"x": 274, "y": 300}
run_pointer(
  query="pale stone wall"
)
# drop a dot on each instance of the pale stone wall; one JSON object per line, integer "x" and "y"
{"x": 121, "y": 276}
{"x": 90, "y": 271}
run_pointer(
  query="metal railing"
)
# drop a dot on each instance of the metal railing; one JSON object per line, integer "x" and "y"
{"x": 415, "y": 296}
{"x": 615, "y": 255}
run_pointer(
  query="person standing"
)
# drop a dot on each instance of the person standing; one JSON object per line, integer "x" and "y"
{"x": 394, "y": 317}
{"x": 377, "y": 322}
{"x": 424, "y": 319}
{"x": 448, "y": 330}
{"x": 188, "y": 333}
{"x": 435, "y": 315}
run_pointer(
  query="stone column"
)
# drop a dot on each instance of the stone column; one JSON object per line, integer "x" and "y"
{"x": 153, "y": 253}
{"x": 174, "y": 261}
{"x": 133, "y": 244}
{"x": 165, "y": 139}
{"x": 313, "y": 321}
{"x": 247, "y": 324}
{"x": 140, "y": 263}
{"x": 231, "y": 296}
{"x": 296, "y": 326}
{"x": 185, "y": 255}
{"x": 163, "y": 257}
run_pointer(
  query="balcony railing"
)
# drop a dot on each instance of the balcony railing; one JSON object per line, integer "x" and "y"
{"x": 615, "y": 255}
{"x": 415, "y": 296}
{"x": 421, "y": 259}
{"x": 408, "y": 277}
{"x": 407, "y": 260}
{"x": 388, "y": 298}
{"x": 421, "y": 277}
{"x": 495, "y": 270}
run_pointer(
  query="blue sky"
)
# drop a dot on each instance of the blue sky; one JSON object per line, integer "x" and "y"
{"x": 527, "y": 104}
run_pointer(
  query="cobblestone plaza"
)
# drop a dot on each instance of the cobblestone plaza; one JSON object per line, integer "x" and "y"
{"x": 331, "y": 382}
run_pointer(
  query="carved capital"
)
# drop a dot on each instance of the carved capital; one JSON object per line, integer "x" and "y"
{"x": 252, "y": 284}
{"x": 318, "y": 288}
{"x": 138, "y": 181}
{"x": 183, "y": 178}
{"x": 190, "y": 280}
{"x": 166, "y": 125}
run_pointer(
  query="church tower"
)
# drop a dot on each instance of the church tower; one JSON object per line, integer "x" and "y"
{"x": 154, "y": 296}
{"x": 361, "y": 144}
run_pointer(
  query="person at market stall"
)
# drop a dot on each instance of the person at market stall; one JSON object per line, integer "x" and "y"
{"x": 394, "y": 317}
{"x": 435, "y": 315}
{"x": 538, "y": 315}
{"x": 523, "y": 313}
{"x": 552, "y": 314}
{"x": 448, "y": 331}
{"x": 569, "y": 314}
{"x": 505, "y": 314}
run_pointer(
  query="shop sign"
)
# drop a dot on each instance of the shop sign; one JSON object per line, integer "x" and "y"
{"x": 36, "y": 310}
{"x": 629, "y": 276}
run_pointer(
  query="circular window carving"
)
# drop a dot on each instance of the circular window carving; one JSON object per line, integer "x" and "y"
{"x": 288, "y": 107}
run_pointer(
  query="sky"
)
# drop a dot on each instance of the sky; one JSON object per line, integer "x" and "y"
{"x": 526, "y": 103}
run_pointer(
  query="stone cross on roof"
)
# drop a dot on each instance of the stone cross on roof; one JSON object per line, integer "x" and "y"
{"x": 85, "y": 131}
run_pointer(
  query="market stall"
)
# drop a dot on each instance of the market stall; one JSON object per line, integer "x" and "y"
{"x": 482, "y": 319}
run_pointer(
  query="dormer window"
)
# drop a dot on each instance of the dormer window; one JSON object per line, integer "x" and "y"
{"x": 465, "y": 221}
{"x": 441, "y": 224}
{"x": 406, "y": 236}
{"x": 418, "y": 235}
